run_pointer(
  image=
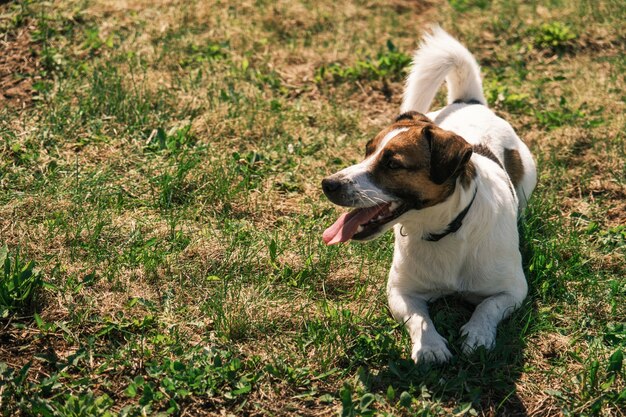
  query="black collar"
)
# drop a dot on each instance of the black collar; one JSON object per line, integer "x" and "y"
{"x": 454, "y": 225}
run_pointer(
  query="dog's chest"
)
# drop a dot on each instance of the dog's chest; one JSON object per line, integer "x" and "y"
{"x": 437, "y": 269}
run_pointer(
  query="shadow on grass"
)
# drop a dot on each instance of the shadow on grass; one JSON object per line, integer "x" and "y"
{"x": 484, "y": 380}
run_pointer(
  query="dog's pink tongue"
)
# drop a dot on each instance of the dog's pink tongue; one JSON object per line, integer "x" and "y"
{"x": 347, "y": 224}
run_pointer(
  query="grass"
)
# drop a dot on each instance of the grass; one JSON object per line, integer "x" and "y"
{"x": 162, "y": 214}
{"x": 18, "y": 284}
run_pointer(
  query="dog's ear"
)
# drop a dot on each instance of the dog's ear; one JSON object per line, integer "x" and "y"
{"x": 448, "y": 153}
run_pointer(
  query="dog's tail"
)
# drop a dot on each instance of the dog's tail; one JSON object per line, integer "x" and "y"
{"x": 441, "y": 56}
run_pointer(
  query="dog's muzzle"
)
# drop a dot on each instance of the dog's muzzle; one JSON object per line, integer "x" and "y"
{"x": 369, "y": 217}
{"x": 339, "y": 190}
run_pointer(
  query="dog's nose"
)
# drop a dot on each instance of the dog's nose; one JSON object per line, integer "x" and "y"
{"x": 330, "y": 185}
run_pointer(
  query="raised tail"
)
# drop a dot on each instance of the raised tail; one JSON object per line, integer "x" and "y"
{"x": 441, "y": 56}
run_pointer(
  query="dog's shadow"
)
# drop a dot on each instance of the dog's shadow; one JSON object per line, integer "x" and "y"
{"x": 484, "y": 380}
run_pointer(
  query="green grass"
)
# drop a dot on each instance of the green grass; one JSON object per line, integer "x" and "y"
{"x": 19, "y": 284}
{"x": 164, "y": 179}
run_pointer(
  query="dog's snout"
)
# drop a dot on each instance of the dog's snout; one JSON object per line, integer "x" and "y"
{"x": 330, "y": 185}
{"x": 341, "y": 190}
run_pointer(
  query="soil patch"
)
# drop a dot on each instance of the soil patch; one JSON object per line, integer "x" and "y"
{"x": 19, "y": 67}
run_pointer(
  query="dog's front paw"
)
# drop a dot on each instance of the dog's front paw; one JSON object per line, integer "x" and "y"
{"x": 435, "y": 351}
{"x": 477, "y": 336}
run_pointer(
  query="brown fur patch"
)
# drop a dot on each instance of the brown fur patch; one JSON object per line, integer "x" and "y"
{"x": 372, "y": 145}
{"x": 449, "y": 154}
{"x": 467, "y": 175}
{"x": 410, "y": 151}
{"x": 409, "y": 119}
{"x": 486, "y": 152}
{"x": 413, "y": 117}
{"x": 483, "y": 150}
{"x": 421, "y": 164}
{"x": 513, "y": 165}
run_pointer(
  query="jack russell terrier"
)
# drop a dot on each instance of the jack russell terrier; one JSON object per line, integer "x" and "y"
{"x": 451, "y": 183}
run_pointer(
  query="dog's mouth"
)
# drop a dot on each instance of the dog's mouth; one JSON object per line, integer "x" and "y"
{"x": 361, "y": 223}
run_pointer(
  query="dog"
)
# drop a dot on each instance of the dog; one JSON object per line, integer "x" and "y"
{"x": 452, "y": 184}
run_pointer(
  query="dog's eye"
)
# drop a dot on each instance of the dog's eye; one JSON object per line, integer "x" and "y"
{"x": 393, "y": 164}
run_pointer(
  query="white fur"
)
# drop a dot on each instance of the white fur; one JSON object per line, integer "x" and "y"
{"x": 439, "y": 57}
{"x": 481, "y": 261}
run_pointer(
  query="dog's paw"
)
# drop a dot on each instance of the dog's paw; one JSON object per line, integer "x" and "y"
{"x": 436, "y": 351}
{"x": 477, "y": 336}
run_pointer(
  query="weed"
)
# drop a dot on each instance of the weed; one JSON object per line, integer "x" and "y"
{"x": 466, "y": 5}
{"x": 19, "y": 284}
{"x": 501, "y": 96}
{"x": 194, "y": 54}
{"x": 46, "y": 397}
{"x": 363, "y": 405}
{"x": 388, "y": 65}
{"x": 566, "y": 115}
{"x": 611, "y": 239}
{"x": 173, "y": 141}
{"x": 169, "y": 384}
{"x": 93, "y": 41}
{"x": 555, "y": 36}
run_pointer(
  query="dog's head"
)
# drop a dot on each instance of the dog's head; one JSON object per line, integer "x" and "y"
{"x": 411, "y": 165}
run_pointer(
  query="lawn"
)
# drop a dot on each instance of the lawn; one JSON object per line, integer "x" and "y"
{"x": 161, "y": 212}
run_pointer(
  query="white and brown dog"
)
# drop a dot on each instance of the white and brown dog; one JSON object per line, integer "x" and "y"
{"x": 451, "y": 183}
